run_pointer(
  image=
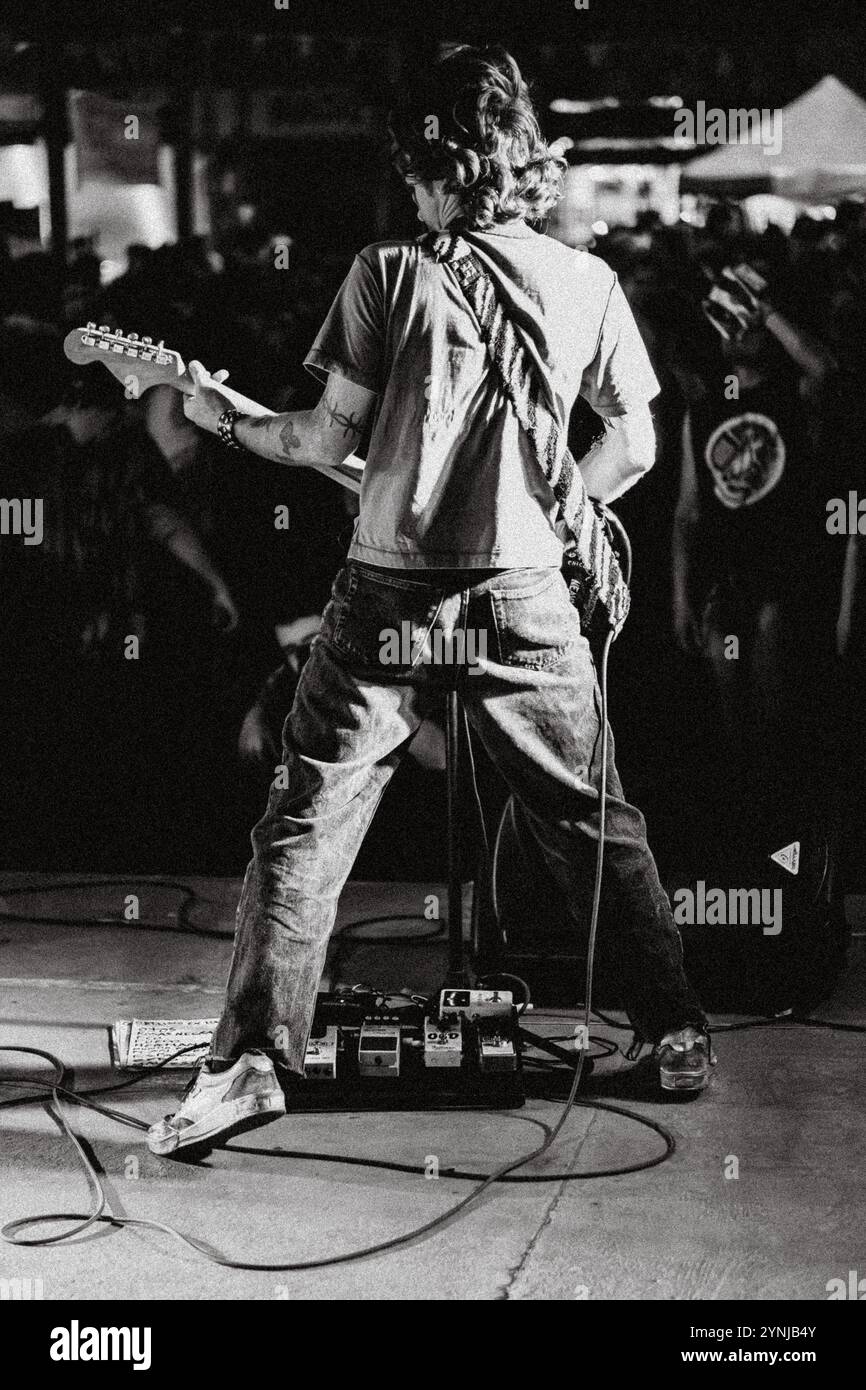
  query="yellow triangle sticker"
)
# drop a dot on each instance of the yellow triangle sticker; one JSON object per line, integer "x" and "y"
{"x": 789, "y": 857}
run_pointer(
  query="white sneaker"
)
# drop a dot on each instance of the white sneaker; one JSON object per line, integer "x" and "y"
{"x": 216, "y": 1106}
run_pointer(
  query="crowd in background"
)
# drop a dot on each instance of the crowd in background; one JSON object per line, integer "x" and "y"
{"x": 151, "y": 530}
{"x": 729, "y": 545}
{"x": 155, "y": 531}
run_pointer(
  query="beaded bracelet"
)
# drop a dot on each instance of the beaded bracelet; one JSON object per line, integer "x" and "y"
{"x": 226, "y": 428}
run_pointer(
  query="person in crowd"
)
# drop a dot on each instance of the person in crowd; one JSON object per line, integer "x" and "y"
{"x": 750, "y": 588}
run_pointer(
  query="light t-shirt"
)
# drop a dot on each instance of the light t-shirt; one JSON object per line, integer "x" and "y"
{"x": 451, "y": 479}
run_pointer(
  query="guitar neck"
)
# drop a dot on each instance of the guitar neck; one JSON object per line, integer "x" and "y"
{"x": 347, "y": 474}
{"x": 141, "y": 364}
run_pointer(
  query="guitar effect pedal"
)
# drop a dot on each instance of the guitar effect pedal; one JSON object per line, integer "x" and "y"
{"x": 496, "y": 1052}
{"x": 477, "y": 1003}
{"x": 320, "y": 1061}
{"x": 443, "y": 1041}
{"x": 379, "y": 1050}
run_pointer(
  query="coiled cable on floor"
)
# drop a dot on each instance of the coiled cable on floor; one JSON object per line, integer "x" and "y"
{"x": 11, "y": 1231}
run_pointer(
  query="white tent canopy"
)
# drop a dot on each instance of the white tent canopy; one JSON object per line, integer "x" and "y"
{"x": 821, "y": 155}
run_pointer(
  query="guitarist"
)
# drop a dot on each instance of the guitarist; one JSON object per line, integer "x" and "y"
{"x": 457, "y": 531}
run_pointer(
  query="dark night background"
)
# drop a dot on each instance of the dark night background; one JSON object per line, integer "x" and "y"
{"x": 111, "y": 769}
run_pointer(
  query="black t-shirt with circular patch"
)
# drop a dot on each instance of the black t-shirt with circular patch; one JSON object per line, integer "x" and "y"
{"x": 762, "y": 502}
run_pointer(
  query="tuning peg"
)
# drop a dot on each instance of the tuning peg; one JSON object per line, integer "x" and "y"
{"x": 91, "y": 327}
{"x": 147, "y": 340}
{"x": 132, "y": 337}
{"x": 104, "y": 328}
{"x": 160, "y": 347}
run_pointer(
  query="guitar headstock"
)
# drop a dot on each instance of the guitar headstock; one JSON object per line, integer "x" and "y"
{"x": 138, "y": 363}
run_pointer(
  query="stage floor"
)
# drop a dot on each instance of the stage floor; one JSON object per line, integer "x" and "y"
{"x": 787, "y": 1104}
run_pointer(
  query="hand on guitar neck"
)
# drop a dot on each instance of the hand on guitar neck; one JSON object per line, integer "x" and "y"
{"x": 321, "y": 438}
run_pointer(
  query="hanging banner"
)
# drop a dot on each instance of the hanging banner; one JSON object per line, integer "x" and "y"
{"x": 115, "y": 141}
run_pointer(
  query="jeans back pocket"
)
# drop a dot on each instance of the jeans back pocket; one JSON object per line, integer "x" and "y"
{"x": 381, "y": 623}
{"x": 536, "y": 623}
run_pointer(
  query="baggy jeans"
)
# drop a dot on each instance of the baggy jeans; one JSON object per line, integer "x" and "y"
{"x": 390, "y": 642}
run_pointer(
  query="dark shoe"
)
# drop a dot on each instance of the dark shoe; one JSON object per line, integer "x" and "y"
{"x": 685, "y": 1059}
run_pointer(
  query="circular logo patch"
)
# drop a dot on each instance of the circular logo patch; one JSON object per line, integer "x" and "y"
{"x": 746, "y": 456}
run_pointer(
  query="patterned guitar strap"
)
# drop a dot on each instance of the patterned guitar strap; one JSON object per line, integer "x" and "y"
{"x": 595, "y": 580}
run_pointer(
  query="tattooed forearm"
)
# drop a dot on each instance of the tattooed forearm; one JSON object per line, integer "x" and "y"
{"x": 351, "y": 425}
{"x": 290, "y": 440}
{"x": 323, "y": 436}
{"x": 280, "y": 438}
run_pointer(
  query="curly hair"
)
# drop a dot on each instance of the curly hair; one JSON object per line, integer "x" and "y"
{"x": 470, "y": 121}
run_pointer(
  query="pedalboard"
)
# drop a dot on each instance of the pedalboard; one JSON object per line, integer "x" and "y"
{"x": 459, "y": 1049}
